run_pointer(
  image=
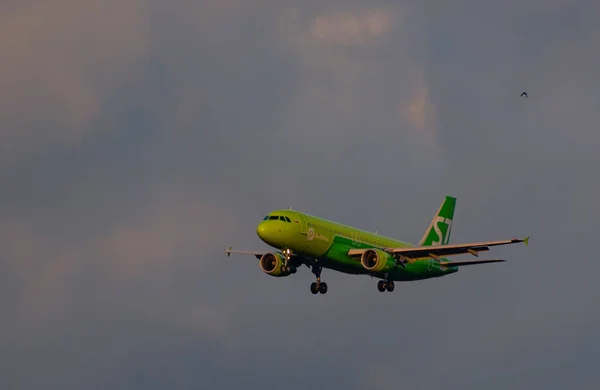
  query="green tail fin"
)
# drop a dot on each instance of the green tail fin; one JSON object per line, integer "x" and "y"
{"x": 438, "y": 232}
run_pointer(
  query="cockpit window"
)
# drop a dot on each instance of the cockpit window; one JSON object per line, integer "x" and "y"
{"x": 277, "y": 217}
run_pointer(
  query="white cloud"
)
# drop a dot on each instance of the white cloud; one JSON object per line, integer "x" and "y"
{"x": 353, "y": 28}
{"x": 337, "y": 53}
{"x": 417, "y": 109}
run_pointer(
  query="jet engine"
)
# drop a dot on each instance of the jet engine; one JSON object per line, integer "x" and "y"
{"x": 272, "y": 264}
{"x": 376, "y": 260}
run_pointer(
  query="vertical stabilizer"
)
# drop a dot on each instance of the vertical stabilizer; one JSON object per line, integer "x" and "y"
{"x": 438, "y": 232}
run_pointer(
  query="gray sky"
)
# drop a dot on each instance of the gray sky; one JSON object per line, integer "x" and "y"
{"x": 138, "y": 141}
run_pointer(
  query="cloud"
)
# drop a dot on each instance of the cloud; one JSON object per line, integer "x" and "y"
{"x": 150, "y": 246}
{"x": 419, "y": 111}
{"x": 61, "y": 60}
{"x": 337, "y": 88}
{"x": 339, "y": 52}
{"x": 305, "y": 32}
{"x": 118, "y": 292}
{"x": 196, "y": 124}
{"x": 350, "y": 28}
{"x": 153, "y": 243}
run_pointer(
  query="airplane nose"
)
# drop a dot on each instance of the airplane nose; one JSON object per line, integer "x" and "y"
{"x": 260, "y": 230}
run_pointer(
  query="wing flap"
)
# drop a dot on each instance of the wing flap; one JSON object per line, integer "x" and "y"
{"x": 468, "y": 262}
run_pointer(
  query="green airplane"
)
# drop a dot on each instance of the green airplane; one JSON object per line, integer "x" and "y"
{"x": 318, "y": 243}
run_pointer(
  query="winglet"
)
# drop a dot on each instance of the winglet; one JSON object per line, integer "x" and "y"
{"x": 525, "y": 240}
{"x": 228, "y": 251}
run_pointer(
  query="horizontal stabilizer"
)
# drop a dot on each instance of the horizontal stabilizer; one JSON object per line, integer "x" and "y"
{"x": 468, "y": 262}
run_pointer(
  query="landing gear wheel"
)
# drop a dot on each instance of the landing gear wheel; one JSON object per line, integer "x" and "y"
{"x": 323, "y": 288}
{"x": 313, "y": 288}
{"x": 318, "y": 286}
{"x": 390, "y": 286}
{"x": 381, "y": 286}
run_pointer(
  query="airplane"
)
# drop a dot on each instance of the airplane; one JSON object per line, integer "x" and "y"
{"x": 303, "y": 239}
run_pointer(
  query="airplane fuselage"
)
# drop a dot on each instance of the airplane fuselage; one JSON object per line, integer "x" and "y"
{"x": 329, "y": 243}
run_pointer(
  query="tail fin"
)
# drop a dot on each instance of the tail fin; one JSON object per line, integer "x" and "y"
{"x": 438, "y": 232}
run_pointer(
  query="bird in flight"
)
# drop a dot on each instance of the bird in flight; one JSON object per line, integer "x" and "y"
{"x": 524, "y": 94}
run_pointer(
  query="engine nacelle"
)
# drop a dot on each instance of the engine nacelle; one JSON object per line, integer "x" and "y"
{"x": 272, "y": 264}
{"x": 376, "y": 260}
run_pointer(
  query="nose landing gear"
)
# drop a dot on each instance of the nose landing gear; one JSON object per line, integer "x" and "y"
{"x": 287, "y": 254}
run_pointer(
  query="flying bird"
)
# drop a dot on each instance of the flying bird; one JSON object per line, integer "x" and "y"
{"x": 524, "y": 94}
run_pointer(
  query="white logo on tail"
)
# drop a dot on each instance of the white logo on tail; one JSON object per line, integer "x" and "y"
{"x": 444, "y": 238}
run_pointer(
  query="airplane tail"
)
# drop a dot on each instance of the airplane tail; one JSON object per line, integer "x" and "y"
{"x": 438, "y": 232}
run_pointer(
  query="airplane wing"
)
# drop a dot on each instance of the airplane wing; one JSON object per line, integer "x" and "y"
{"x": 437, "y": 251}
{"x": 295, "y": 259}
{"x": 230, "y": 250}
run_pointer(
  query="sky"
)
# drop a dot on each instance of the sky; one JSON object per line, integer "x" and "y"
{"x": 139, "y": 140}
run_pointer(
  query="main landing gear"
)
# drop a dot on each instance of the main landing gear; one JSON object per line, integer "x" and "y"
{"x": 383, "y": 285}
{"x": 318, "y": 286}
